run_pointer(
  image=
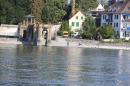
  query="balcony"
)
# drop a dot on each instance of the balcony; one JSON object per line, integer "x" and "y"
{"x": 128, "y": 28}
{"x": 109, "y": 20}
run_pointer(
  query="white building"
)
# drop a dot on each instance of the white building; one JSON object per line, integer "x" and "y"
{"x": 8, "y": 30}
{"x": 75, "y": 22}
{"x": 118, "y": 15}
{"x": 55, "y": 28}
{"x": 95, "y": 12}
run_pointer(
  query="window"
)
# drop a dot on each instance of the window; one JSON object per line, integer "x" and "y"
{"x": 116, "y": 16}
{"x": 81, "y": 17}
{"x": 110, "y": 23}
{"x": 77, "y": 24}
{"x": 76, "y": 17}
{"x": 72, "y": 23}
{"x": 115, "y": 24}
{"x": 103, "y": 17}
{"x": 117, "y": 32}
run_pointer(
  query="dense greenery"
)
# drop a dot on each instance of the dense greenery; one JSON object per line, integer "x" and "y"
{"x": 12, "y": 11}
{"x": 107, "y": 31}
{"x": 89, "y": 28}
{"x": 53, "y": 10}
{"x": 64, "y": 27}
{"x": 36, "y": 8}
{"x": 86, "y": 5}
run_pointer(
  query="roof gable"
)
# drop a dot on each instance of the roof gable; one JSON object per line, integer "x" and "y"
{"x": 119, "y": 7}
{"x": 77, "y": 13}
{"x": 99, "y": 8}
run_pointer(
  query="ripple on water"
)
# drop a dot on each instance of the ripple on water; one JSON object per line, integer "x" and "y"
{"x": 38, "y": 65}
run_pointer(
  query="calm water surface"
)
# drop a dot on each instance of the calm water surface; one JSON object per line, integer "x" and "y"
{"x": 25, "y": 65}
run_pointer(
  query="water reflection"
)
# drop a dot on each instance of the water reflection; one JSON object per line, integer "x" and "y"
{"x": 73, "y": 66}
{"x": 123, "y": 68}
{"x": 24, "y": 65}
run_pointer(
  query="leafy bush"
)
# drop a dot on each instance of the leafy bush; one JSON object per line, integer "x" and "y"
{"x": 59, "y": 33}
{"x": 107, "y": 31}
{"x": 86, "y": 34}
{"x": 89, "y": 26}
{"x": 53, "y": 38}
{"x": 126, "y": 40}
{"x": 117, "y": 40}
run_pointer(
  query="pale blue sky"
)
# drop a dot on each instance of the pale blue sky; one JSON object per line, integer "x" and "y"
{"x": 68, "y": 1}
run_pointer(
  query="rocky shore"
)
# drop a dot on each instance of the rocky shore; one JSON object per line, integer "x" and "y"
{"x": 71, "y": 42}
{"x": 90, "y": 44}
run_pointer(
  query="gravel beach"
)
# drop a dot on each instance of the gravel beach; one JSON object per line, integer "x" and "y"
{"x": 89, "y": 44}
{"x": 71, "y": 42}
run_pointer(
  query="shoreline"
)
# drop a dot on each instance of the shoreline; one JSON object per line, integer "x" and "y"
{"x": 97, "y": 47}
{"x": 87, "y": 44}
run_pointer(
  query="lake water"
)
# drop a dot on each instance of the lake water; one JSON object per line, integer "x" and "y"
{"x": 25, "y": 65}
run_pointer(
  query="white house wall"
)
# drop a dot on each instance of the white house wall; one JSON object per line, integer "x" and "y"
{"x": 118, "y": 29}
{"x": 8, "y": 31}
{"x": 103, "y": 20}
{"x": 55, "y": 28}
{"x": 117, "y": 21}
{"x": 73, "y": 19}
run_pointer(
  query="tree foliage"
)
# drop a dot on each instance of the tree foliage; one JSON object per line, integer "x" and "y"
{"x": 89, "y": 27}
{"x": 107, "y": 31}
{"x": 36, "y": 8}
{"x": 64, "y": 27}
{"x": 12, "y": 11}
{"x": 6, "y": 11}
{"x": 53, "y": 10}
{"x": 86, "y": 5}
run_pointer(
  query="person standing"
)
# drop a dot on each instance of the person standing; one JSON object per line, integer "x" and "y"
{"x": 67, "y": 43}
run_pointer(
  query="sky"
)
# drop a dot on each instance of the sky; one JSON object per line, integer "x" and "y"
{"x": 68, "y": 1}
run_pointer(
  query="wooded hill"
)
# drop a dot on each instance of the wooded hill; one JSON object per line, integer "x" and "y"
{"x": 12, "y": 11}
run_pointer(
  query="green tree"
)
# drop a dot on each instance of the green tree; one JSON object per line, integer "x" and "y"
{"x": 68, "y": 12}
{"x": 36, "y": 8}
{"x": 53, "y": 10}
{"x": 89, "y": 27}
{"x": 86, "y": 5}
{"x": 6, "y": 12}
{"x": 64, "y": 27}
{"x": 107, "y": 31}
{"x": 12, "y": 11}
